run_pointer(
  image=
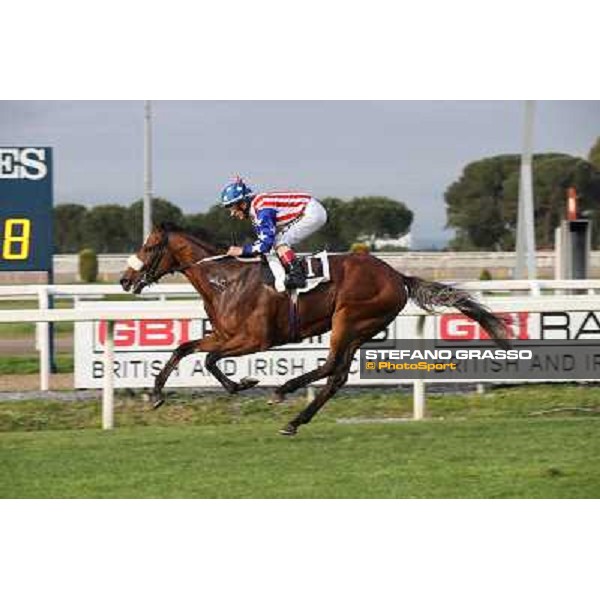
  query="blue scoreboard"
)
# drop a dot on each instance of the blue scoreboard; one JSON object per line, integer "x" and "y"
{"x": 26, "y": 209}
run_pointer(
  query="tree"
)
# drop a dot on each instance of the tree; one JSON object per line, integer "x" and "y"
{"x": 367, "y": 217}
{"x": 162, "y": 212}
{"x": 219, "y": 227}
{"x": 552, "y": 179}
{"x": 378, "y": 216}
{"x": 335, "y": 234}
{"x": 482, "y": 205}
{"x": 594, "y": 154}
{"x": 114, "y": 228}
{"x": 477, "y": 205}
{"x": 69, "y": 228}
{"x": 107, "y": 229}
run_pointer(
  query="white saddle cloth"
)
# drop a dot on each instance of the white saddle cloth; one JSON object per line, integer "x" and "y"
{"x": 312, "y": 281}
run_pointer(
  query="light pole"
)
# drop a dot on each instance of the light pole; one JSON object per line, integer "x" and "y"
{"x": 147, "y": 218}
{"x": 525, "y": 267}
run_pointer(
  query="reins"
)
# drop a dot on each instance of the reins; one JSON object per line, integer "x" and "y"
{"x": 150, "y": 272}
{"x": 209, "y": 258}
{"x": 182, "y": 268}
{"x": 212, "y": 258}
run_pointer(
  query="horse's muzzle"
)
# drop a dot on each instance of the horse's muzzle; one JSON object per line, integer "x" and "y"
{"x": 131, "y": 279}
{"x": 125, "y": 283}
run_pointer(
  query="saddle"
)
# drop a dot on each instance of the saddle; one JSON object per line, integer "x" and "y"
{"x": 273, "y": 274}
{"x": 316, "y": 268}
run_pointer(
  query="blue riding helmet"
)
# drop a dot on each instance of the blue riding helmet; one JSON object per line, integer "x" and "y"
{"x": 235, "y": 192}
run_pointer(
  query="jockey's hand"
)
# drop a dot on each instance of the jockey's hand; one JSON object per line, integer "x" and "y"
{"x": 234, "y": 251}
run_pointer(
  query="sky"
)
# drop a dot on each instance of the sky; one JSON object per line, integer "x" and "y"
{"x": 408, "y": 150}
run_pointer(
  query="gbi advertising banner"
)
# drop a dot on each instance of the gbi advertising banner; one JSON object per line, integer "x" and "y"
{"x": 143, "y": 347}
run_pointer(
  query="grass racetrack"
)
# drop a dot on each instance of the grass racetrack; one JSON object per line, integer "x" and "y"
{"x": 529, "y": 442}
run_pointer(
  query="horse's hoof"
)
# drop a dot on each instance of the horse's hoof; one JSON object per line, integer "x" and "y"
{"x": 276, "y": 398}
{"x": 289, "y": 429}
{"x": 246, "y": 383}
{"x": 157, "y": 400}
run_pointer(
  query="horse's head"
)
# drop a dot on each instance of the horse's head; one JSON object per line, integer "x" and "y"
{"x": 151, "y": 262}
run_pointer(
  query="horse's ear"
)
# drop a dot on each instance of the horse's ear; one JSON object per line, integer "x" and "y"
{"x": 167, "y": 227}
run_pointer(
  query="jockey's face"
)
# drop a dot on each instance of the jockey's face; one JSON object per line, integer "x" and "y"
{"x": 239, "y": 210}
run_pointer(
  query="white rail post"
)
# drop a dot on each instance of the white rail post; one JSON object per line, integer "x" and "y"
{"x": 108, "y": 391}
{"x": 418, "y": 399}
{"x": 419, "y": 384}
{"x": 43, "y": 341}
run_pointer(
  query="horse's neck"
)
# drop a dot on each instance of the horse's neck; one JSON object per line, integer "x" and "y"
{"x": 192, "y": 257}
{"x": 200, "y": 251}
{"x": 191, "y": 251}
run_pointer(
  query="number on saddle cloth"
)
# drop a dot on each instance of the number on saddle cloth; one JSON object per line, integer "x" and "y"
{"x": 316, "y": 267}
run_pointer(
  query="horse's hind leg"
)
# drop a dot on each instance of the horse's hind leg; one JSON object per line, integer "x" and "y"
{"x": 337, "y": 379}
{"x": 345, "y": 341}
{"x": 325, "y": 370}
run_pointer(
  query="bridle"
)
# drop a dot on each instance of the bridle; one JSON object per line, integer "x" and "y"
{"x": 150, "y": 273}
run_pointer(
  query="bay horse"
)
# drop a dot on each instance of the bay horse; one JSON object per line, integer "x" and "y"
{"x": 364, "y": 295}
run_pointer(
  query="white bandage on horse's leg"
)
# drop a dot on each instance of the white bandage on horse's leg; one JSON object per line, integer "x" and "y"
{"x": 135, "y": 263}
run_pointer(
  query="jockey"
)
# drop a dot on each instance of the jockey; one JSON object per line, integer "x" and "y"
{"x": 280, "y": 219}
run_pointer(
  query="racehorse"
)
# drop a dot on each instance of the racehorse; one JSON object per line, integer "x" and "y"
{"x": 364, "y": 295}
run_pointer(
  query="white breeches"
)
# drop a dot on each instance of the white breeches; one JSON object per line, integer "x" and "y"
{"x": 314, "y": 217}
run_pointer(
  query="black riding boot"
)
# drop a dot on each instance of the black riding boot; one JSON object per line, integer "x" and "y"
{"x": 296, "y": 276}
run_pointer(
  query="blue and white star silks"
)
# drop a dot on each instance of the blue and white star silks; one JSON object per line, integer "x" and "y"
{"x": 266, "y": 230}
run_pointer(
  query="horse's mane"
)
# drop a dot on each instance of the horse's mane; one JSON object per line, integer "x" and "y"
{"x": 194, "y": 236}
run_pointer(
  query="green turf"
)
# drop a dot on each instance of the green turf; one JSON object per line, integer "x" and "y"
{"x": 554, "y": 458}
{"x": 21, "y": 330}
{"x": 473, "y": 446}
{"x": 27, "y": 364}
{"x": 24, "y": 330}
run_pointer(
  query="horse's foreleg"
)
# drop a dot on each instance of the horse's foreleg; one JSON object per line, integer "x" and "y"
{"x": 231, "y": 386}
{"x": 179, "y": 353}
{"x": 236, "y": 346}
{"x": 216, "y": 349}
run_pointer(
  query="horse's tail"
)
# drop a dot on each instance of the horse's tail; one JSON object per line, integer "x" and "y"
{"x": 429, "y": 294}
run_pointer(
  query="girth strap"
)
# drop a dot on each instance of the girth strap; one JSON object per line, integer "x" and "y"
{"x": 294, "y": 318}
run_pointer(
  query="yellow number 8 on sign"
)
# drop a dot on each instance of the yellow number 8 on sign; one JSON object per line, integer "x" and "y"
{"x": 16, "y": 244}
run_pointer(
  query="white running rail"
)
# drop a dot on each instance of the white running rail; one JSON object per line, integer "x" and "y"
{"x": 44, "y": 315}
